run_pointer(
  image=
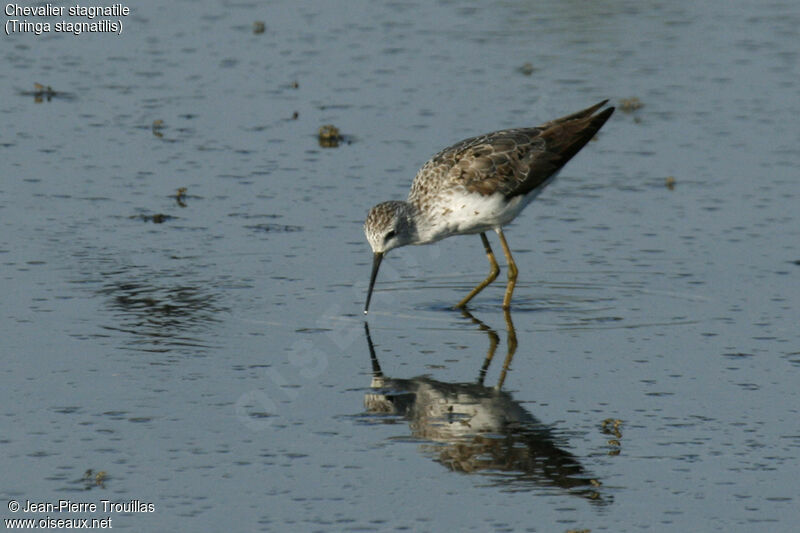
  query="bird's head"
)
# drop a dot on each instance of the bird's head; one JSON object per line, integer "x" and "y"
{"x": 389, "y": 225}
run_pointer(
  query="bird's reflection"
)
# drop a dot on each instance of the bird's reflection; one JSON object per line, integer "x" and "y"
{"x": 474, "y": 428}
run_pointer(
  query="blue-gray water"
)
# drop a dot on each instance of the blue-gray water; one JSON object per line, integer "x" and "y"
{"x": 216, "y": 364}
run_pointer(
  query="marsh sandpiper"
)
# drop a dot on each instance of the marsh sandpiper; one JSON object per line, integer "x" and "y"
{"x": 480, "y": 184}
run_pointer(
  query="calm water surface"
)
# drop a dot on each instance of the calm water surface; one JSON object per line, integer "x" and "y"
{"x": 206, "y": 349}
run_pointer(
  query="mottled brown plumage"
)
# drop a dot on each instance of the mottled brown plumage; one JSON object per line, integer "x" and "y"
{"x": 511, "y": 162}
{"x": 480, "y": 184}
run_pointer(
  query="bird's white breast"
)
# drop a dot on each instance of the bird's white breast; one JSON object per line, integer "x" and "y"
{"x": 460, "y": 214}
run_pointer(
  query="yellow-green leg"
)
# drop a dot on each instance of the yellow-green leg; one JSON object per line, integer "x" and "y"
{"x": 493, "y": 272}
{"x": 512, "y": 348}
{"x": 512, "y": 270}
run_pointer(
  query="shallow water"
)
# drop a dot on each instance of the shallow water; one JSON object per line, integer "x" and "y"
{"x": 207, "y": 351}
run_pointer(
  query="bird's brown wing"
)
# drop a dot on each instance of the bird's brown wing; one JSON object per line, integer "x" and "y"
{"x": 511, "y": 162}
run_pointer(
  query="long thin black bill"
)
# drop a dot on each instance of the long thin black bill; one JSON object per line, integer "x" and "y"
{"x": 376, "y": 263}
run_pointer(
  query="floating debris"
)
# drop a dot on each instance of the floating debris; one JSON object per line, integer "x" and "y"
{"x": 91, "y": 479}
{"x": 526, "y": 69}
{"x": 259, "y": 27}
{"x": 295, "y": 115}
{"x": 295, "y": 85}
{"x": 158, "y": 218}
{"x": 612, "y": 426}
{"x": 41, "y": 92}
{"x": 180, "y": 196}
{"x": 157, "y": 126}
{"x": 670, "y": 183}
{"x": 629, "y": 105}
{"x": 329, "y": 136}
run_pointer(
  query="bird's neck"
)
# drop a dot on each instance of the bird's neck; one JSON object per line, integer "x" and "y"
{"x": 421, "y": 225}
{"x": 411, "y": 216}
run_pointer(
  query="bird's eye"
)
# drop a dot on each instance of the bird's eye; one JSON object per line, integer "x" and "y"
{"x": 389, "y": 236}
